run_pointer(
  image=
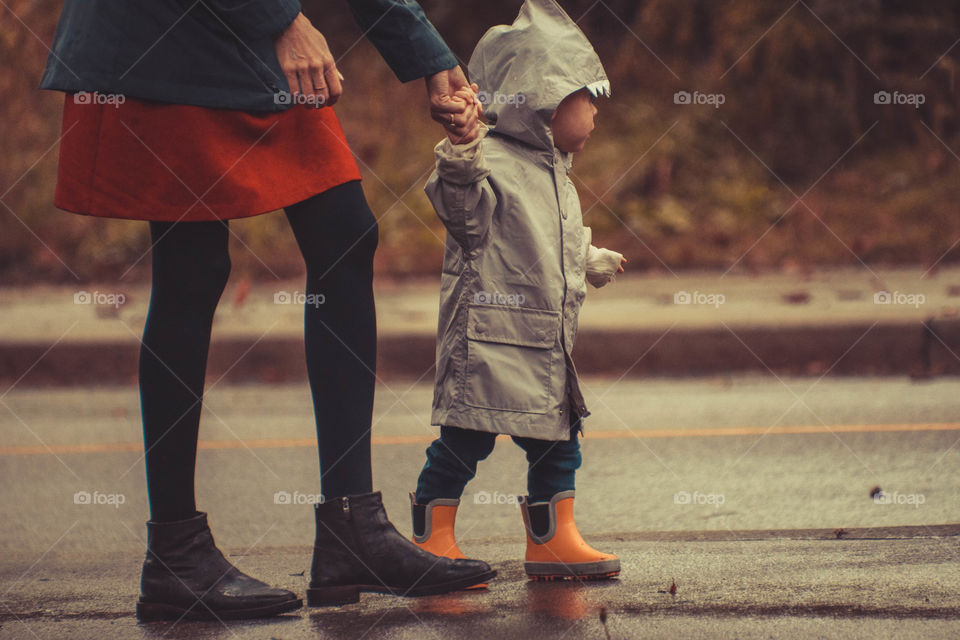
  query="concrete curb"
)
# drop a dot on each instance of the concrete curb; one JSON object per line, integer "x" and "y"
{"x": 919, "y": 349}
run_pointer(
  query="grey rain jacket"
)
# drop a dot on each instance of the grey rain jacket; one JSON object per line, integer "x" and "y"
{"x": 516, "y": 248}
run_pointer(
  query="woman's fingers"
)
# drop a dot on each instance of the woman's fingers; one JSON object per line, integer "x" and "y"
{"x": 332, "y": 78}
{"x": 454, "y": 104}
{"x": 476, "y": 98}
{"x": 292, "y": 80}
{"x": 317, "y": 85}
{"x": 450, "y": 96}
{"x": 450, "y": 108}
{"x": 460, "y": 120}
{"x": 463, "y": 135}
{"x": 308, "y": 64}
{"x": 463, "y": 127}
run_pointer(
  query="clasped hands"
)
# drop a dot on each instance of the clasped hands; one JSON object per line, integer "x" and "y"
{"x": 311, "y": 71}
{"x": 455, "y": 105}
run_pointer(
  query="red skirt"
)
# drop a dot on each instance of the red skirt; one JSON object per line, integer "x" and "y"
{"x": 152, "y": 161}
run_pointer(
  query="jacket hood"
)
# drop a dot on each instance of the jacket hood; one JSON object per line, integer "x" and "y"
{"x": 526, "y": 69}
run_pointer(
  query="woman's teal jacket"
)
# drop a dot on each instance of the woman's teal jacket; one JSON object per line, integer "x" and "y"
{"x": 216, "y": 53}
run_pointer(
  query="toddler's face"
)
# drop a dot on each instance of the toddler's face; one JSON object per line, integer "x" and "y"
{"x": 573, "y": 121}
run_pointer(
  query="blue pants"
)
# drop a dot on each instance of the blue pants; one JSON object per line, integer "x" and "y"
{"x": 452, "y": 462}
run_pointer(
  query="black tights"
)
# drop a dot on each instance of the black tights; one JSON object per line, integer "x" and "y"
{"x": 337, "y": 236}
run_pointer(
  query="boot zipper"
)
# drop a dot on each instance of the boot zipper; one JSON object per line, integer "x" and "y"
{"x": 357, "y": 538}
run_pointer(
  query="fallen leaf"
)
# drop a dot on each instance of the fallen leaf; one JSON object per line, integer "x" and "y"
{"x": 603, "y": 621}
{"x": 796, "y": 297}
{"x": 241, "y": 293}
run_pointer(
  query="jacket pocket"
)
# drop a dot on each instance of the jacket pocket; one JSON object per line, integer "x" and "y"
{"x": 512, "y": 354}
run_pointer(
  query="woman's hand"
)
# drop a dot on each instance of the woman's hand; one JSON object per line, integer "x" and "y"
{"x": 307, "y": 62}
{"x": 456, "y": 113}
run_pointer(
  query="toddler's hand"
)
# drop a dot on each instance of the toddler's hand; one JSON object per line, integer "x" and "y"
{"x": 602, "y": 265}
{"x": 470, "y": 95}
{"x": 471, "y": 115}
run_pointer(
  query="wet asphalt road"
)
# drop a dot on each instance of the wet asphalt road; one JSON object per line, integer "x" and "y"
{"x": 732, "y": 488}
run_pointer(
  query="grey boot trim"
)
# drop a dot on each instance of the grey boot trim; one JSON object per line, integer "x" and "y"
{"x": 551, "y": 511}
{"x": 428, "y": 515}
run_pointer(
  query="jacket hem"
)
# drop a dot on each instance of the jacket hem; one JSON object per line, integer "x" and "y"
{"x": 493, "y": 421}
{"x": 177, "y": 215}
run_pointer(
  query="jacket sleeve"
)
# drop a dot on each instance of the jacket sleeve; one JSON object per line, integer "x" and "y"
{"x": 460, "y": 191}
{"x": 404, "y": 37}
{"x": 255, "y": 19}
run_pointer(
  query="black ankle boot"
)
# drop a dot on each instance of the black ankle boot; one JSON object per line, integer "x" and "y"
{"x": 358, "y": 549}
{"x": 186, "y": 576}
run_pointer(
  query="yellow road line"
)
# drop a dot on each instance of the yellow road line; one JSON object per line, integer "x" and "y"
{"x": 280, "y": 443}
{"x": 754, "y": 431}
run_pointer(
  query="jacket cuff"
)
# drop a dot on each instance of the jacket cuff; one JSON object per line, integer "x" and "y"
{"x": 462, "y": 164}
{"x": 257, "y": 19}
{"x": 406, "y": 40}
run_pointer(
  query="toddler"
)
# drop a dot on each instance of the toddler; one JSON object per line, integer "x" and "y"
{"x": 516, "y": 260}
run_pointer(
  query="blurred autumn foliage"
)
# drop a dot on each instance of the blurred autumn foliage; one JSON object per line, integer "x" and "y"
{"x": 799, "y": 166}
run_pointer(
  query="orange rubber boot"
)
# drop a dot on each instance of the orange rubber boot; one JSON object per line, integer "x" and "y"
{"x": 555, "y": 548}
{"x": 433, "y": 528}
